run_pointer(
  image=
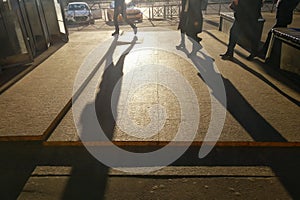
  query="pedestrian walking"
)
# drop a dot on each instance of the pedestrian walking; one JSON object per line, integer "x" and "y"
{"x": 284, "y": 17}
{"x": 120, "y": 8}
{"x": 246, "y": 14}
{"x": 191, "y": 22}
{"x": 182, "y": 22}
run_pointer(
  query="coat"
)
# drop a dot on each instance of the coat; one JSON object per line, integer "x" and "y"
{"x": 247, "y": 13}
{"x": 194, "y": 17}
{"x": 191, "y": 21}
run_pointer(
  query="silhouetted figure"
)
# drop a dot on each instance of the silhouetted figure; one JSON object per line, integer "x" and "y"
{"x": 246, "y": 14}
{"x": 120, "y": 8}
{"x": 284, "y": 17}
{"x": 182, "y": 22}
{"x": 191, "y": 22}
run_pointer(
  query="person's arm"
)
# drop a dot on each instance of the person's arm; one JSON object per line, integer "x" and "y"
{"x": 235, "y": 2}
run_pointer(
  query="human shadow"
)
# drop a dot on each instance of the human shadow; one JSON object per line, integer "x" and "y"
{"x": 108, "y": 90}
{"x": 91, "y": 184}
{"x": 269, "y": 70}
{"x": 261, "y": 77}
{"x": 88, "y": 177}
{"x": 255, "y": 125}
{"x": 86, "y": 181}
{"x": 282, "y": 160}
{"x": 17, "y": 162}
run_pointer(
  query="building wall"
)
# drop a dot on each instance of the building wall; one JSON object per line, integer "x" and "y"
{"x": 28, "y": 28}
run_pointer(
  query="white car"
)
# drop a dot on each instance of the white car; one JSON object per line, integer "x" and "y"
{"x": 79, "y": 12}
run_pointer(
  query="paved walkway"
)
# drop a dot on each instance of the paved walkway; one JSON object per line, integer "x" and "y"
{"x": 262, "y": 110}
{"x": 36, "y": 100}
{"x": 259, "y": 106}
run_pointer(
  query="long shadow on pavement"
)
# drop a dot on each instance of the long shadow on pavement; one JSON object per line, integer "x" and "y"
{"x": 255, "y": 125}
{"x": 285, "y": 164}
{"x": 88, "y": 180}
{"x": 271, "y": 71}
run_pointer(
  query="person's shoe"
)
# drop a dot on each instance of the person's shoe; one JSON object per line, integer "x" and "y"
{"x": 180, "y": 46}
{"x": 135, "y": 30}
{"x": 251, "y": 57}
{"x": 115, "y": 33}
{"x": 226, "y": 56}
{"x": 199, "y": 39}
{"x": 261, "y": 54}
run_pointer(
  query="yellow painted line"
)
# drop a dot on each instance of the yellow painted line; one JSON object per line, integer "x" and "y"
{"x": 57, "y": 120}
{"x": 21, "y": 138}
{"x": 47, "y": 133}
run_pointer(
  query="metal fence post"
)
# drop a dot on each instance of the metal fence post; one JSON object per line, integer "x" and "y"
{"x": 152, "y": 12}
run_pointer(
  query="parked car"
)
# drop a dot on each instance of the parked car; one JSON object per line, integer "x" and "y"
{"x": 96, "y": 10}
{"x": 133, "y": 13}
{"x": 79, "y": 12}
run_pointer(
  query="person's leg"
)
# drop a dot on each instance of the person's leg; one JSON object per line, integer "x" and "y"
{"x": 264, "y": 50}
{"x": 195, "y": 41}
{"x": 234, "y": 31}
{"x": 124, "y": 15}
{"x": 233, "y": 37}
{"x": 116, "y": 23}
{"x": 182, "y": 24}
{"x": 195, "y": 26}
{"x": 254, "y": 37}
{"x": 195, "y": 37}
{"x": 182, "y": 40}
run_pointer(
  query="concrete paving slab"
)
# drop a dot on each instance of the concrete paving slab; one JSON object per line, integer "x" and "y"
{"x": 265, "y": 95}
{"x": 30, "y": 106}
{"x": 256, "y": 111}
{"x": 57, "y": 187}
{"x": 255, "y": 106}
{"x": 245, "y": 81}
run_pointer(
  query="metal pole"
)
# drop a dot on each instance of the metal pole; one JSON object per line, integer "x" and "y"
{"x": 152, "y": 12}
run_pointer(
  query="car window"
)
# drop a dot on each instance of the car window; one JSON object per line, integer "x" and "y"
{"x": 78, "y": 7}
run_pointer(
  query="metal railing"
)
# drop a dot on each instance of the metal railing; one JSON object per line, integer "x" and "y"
{"x": 170, "y": 9}
{"x": 164, "y": 11}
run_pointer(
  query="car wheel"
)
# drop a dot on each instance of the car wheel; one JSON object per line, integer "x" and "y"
{"x": 70, "y": 22}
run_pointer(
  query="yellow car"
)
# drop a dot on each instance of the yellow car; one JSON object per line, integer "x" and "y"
{"x": 133, "y": 13}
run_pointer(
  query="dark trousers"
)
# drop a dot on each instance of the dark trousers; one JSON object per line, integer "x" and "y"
{"x": 120, "y": 8}
{"x": 266, "y": 44}
{"x": 182, "y": 22}
{"x": 186, "y": 25}
{"x": 250, "y": 32}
